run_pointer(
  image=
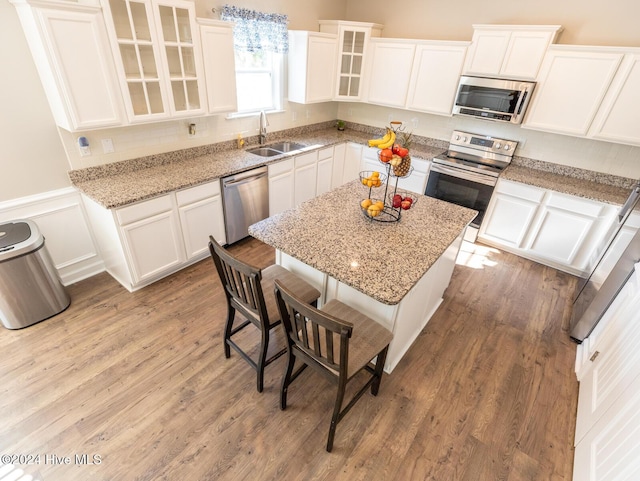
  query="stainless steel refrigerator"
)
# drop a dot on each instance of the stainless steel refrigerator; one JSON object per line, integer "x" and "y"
{"x": 617, "y": 261}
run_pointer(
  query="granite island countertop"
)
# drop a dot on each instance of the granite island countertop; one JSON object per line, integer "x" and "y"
{"x": 382, "y": 260}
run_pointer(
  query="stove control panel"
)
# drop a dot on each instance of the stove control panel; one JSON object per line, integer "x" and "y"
{"x": 484, "y": 143}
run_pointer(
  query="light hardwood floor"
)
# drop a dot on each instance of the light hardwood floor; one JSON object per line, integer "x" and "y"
{"x": 487, "y": 392}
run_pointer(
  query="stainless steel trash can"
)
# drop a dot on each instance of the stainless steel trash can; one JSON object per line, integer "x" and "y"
{"x": 30, "y": 288}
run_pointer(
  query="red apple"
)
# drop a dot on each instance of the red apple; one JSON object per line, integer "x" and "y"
{"x": 406, "y": 204}
{"x": 397, "y": 201}
{"x": 386, "y": 155}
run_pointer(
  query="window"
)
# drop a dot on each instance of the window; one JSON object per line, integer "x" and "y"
{"x": 259, "y": 81}
{"x": 260, "y": 42}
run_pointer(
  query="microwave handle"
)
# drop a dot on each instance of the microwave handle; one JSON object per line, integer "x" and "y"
{"x": 520, "y": 104}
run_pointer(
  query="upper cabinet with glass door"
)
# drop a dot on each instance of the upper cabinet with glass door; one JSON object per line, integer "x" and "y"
{"x": 353, "y": 45}
{"x": 157, "y": 46}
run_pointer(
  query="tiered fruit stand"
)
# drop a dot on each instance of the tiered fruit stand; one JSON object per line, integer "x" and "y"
{"x": 388, "y": 208}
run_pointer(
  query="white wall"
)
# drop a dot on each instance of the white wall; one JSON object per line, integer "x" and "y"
{"x": 588, "y": 22}
{"x": 32, "y": 159}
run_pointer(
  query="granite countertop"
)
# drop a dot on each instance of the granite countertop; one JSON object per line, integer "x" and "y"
{"x": 382, "y": 260}
{"x": 122, "y": 183}
{"x": 568, "y": 180}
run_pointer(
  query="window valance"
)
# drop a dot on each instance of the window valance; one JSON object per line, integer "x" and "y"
{"x": 257, "y": 31}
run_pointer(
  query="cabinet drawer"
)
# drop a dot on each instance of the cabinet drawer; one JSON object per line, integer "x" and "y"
{"x": 522, "y": 191}
{"x": 325, "y": 153}
{"x": 281, "y": 167}
{"x": 574, "y": 204}
{"x": 200, "y": 192}
{"x": 142, "y": 210}
{"x": 306, "y": 159}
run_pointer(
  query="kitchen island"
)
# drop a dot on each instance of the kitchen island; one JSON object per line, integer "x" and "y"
{"x": 396, "y": 273}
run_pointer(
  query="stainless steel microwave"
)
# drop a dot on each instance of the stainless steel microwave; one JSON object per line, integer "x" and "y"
{"x": 493, "y": 99}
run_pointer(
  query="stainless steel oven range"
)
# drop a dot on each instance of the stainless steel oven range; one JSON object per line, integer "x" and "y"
{"x": 467, "y": 173}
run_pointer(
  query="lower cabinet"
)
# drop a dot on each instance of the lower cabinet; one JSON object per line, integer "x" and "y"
{"x": 146, "y": 241}
{"x": 608, "y": 367}
{"x": 305, "y": 177}
{"x": 324, "y": 182}
{"x": 555, "y": 229}
{"x": 281, "y": 184}
{"x": 352, "y": 162}
{"x": 201, "y": 215}
{"x": 416, "y": 182}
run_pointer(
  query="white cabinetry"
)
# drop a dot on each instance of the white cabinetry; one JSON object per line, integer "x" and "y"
{"x": 305, "y": 177}
{"x": 325, "y": 171}
{"x": 390, "y": 71}
{"x": 281, "y": 185}
{"x": 201, "y": 215}
{"x": 312, "y": 66}
{"x": 618, "y": 119}
{"x": 219, "y": 65}
{"x": 510, "y": 51}
{"x": 148, "y": 240}
{"x": 151, "y": 236}
{"x": 352, "y": 162}
{"x": 337, "y": 170}
{"x": 353, "y": 46}
{"x": 70, "y": 47}
{"x": 416, "y": 182}
{"x": 156, "y": 44}
{"x": 608, "y": 422}
{"x": 555, "y": 229}
{"x": 434, "y": 77}
{"x": 572, "y": 84}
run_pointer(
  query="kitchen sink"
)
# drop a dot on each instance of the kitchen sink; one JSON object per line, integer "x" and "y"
{"x": 277, "y": 149}
{"x": 286, "y": 147}
{"x": 264, "y": 152}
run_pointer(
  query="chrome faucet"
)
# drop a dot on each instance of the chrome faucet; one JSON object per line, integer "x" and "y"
{"x": 263, "y": 127}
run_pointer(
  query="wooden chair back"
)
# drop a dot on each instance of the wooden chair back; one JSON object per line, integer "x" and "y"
{"x": 318, "y": 338}
{"x": 241, "y": 283}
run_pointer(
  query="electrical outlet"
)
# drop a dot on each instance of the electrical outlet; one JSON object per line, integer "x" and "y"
{"x": 107, "y": 146}
{"x": 83, "y": 145}
{"x": 295, "y": 116}
{"x": 415, "y": 122}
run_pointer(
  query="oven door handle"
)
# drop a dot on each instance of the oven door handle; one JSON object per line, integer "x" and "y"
{"x": 464, "y": 174}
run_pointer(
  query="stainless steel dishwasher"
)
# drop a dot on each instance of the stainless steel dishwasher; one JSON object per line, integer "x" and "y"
{"x": 245, "y": 199}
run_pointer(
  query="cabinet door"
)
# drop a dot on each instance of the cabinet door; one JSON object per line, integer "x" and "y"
{"x": 153, "y": 245}
{"x": 179, "y": 38}
{"x": 219, "y": 65}
{"x": 486, "y": 53}
{"x": 434, "y": 78}
{"x": 138, "y": 58}
{"x": 312, "y": 66}
{"x": 353, "y": 44}
{"x": 281, "y": 183}
{"x": 571, "y": 86}
{"x": 565, "y": 229}
{"x": 618, "y": 119}
{"x": 199, "y": 220}
{"x": 339, "y": 152}
{"x": 75, "y": 65}
{"x": 525, "y": 52}
{"x": 390, "y": 72}
{"x": 508, "y": 219}
{"x": 305, "y": 177}
{"x": 352, "y": 161}
{"x": 325, "y": 171}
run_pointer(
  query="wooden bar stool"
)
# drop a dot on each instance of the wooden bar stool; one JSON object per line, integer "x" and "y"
{"x": 337, "y": 341}
{"x": 244, "y": 286}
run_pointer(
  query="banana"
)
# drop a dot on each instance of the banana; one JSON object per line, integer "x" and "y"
{"x": 389, "y": 142}
{"x": 381, "y": 140}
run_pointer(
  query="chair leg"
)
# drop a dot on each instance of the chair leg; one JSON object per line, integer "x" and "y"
{"x": 262, "y": 357}
{"x": 231, "y": 313}
{"x": 336, "y": 413}
{"x": 382, "y": 357}
{"x": 286, "y": 380}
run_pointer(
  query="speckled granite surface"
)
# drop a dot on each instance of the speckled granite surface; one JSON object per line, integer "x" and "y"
{"x": 122, "y": 183}
{"x": 382, "y": 260}
{"x": 569, "y": 180}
